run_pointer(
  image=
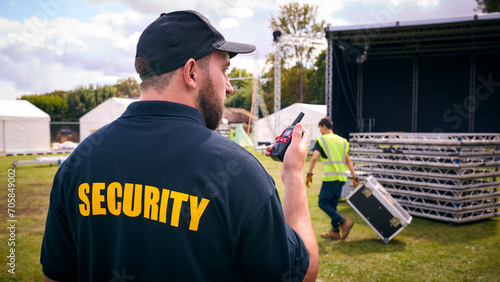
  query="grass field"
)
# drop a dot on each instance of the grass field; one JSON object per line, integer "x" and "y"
{"x": 426, "y": 250}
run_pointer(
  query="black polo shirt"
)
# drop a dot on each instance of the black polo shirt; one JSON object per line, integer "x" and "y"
{"x": 156, "y": 196}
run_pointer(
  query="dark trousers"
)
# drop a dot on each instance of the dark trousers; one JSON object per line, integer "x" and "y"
{"x": 329, "y": 197}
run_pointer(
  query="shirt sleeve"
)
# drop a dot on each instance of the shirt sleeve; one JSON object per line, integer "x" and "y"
{"x": 317, "y": 147}
{"x": 58, "y": 254}
{"x": 262, "y": 257}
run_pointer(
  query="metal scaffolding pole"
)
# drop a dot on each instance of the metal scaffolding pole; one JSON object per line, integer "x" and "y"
{"x": 277, "y": 83}
{"x": 328, "y": 78}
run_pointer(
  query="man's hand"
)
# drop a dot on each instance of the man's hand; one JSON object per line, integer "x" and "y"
{"x": 309, "y": 179}
{"x": 295, "y": 206}
{"x": 295, "y": 156}
{"x": 355, "y": 181}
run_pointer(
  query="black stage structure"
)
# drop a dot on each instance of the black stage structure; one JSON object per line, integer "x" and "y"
{"x": 426, "y": 76}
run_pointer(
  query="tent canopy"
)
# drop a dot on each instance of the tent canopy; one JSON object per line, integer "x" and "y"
{"x": 21, "y": 110}
{"x": 23, "y": 127}
{"x": 265, "y": 127}
{"x": 103, "y": 114}
{"x": 241, "y": 137}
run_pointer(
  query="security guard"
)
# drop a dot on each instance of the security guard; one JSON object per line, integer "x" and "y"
{"x": 158, "y": 195}
{"x": 333, "y": 151}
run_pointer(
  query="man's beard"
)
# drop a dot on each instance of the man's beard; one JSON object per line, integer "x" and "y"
{"x": 210, "y": 105}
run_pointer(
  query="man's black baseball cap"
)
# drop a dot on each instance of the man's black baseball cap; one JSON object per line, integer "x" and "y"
{"x": 174, "y": 38}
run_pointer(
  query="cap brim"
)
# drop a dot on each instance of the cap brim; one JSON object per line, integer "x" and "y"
{"x": 235, "y": 48}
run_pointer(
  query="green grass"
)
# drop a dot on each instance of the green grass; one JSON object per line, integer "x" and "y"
{"x": 33, "y": 184}
{"x": 426, "y": 250}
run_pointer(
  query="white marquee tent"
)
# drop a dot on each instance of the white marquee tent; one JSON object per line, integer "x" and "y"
{"x": 23, "y": 127}
{"x": 312, "y": 115}
{"x": 103, "y": 114}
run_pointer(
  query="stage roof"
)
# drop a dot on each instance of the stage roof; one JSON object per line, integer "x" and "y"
{"x": 452, "y": 36}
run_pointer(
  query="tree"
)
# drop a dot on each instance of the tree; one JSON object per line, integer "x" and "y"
{"x": 290, "y": 93}
{"x": 298, "y": 20}
{"x": 84, "y": 98}
{"x": 290, "y": 78}
{"x": 488, "y": 6}
{"x": 103, "y": 93}
{"x": 314, "y": 82}
{"x": 128, "y": 87}
{"x": 316, "y": 77}
{"x": 71, "y": 105}
{"x": 54, "y": 104}
{"x": 80, "y": 101}
{"x": 242, "y": 96}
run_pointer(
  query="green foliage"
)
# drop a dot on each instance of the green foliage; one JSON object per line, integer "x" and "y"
{"x": 53, "y": 104}
{"x": 84, "y": 98}
{"x": 73, "y": 104}
{"x": 301, "y": 72}
{"x": 313, "y": 81}
{"x": 290, "y": 79}
{"x": 128, "y": 87}
{"x": 316, "y": 80}
{"x": 488, "y": 6}
{"x": 297, "y": 19}
{"x": 242, "y": 96}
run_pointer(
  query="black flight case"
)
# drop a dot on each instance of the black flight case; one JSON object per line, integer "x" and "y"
{"x": 379, "y": 209}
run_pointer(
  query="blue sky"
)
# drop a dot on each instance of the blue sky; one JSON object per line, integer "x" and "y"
{"x": 20, "y": 10}
{"x": 48, "y": 45}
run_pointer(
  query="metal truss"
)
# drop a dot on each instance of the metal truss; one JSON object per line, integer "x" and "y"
{"x": 426, "y": 139}
{"x": 432, "y": 182}
{"x": 443, "y": 193}
{"x": 447, "y": 205}
{"x": 448, "y": 177}
{"x": 451, "y": 151}
{"x": 478, "y": 33}
{"x": 453, "y": 217}
{"x": 442, "y": 151}
{"x": 430, "y": 172}
{"x": 428, "y": 161}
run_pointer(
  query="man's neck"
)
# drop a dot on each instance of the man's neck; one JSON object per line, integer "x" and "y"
{"x": 171, "y": 94}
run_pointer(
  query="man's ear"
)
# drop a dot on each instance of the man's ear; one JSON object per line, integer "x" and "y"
{"x": 190, "y": 73}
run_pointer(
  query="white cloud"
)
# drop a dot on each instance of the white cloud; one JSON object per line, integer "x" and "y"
{"x": 419, "y": 3}
{"x": 152, "y": 7}
{"x": 45, "y": 55}
{"x": 428, "y": 3}
{"x": 233, "y": 8}
{"x": 8, "y": 92}
{"x": 228, "y": 23}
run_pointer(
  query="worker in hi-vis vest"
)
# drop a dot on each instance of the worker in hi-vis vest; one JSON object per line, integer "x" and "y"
{"x": 333, "y": 152}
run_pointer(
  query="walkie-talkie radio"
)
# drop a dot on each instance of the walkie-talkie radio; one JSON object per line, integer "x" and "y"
{"x": 282, "y": 143}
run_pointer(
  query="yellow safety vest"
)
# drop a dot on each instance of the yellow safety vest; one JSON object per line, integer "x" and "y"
{"x": 335, "y": 148}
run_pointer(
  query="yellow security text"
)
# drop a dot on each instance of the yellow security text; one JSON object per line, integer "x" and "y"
{"x": 132, "y": 200}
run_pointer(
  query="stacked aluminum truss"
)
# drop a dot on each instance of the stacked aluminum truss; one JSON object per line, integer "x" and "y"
{"x": 447, "y": 177}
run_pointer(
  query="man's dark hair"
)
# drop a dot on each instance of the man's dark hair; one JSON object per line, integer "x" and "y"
{"x": 326, "y": 122}
{"x": 160, "y": 82}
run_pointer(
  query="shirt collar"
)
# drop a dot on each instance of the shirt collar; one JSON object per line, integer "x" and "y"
{"x": 162, "y": 108}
